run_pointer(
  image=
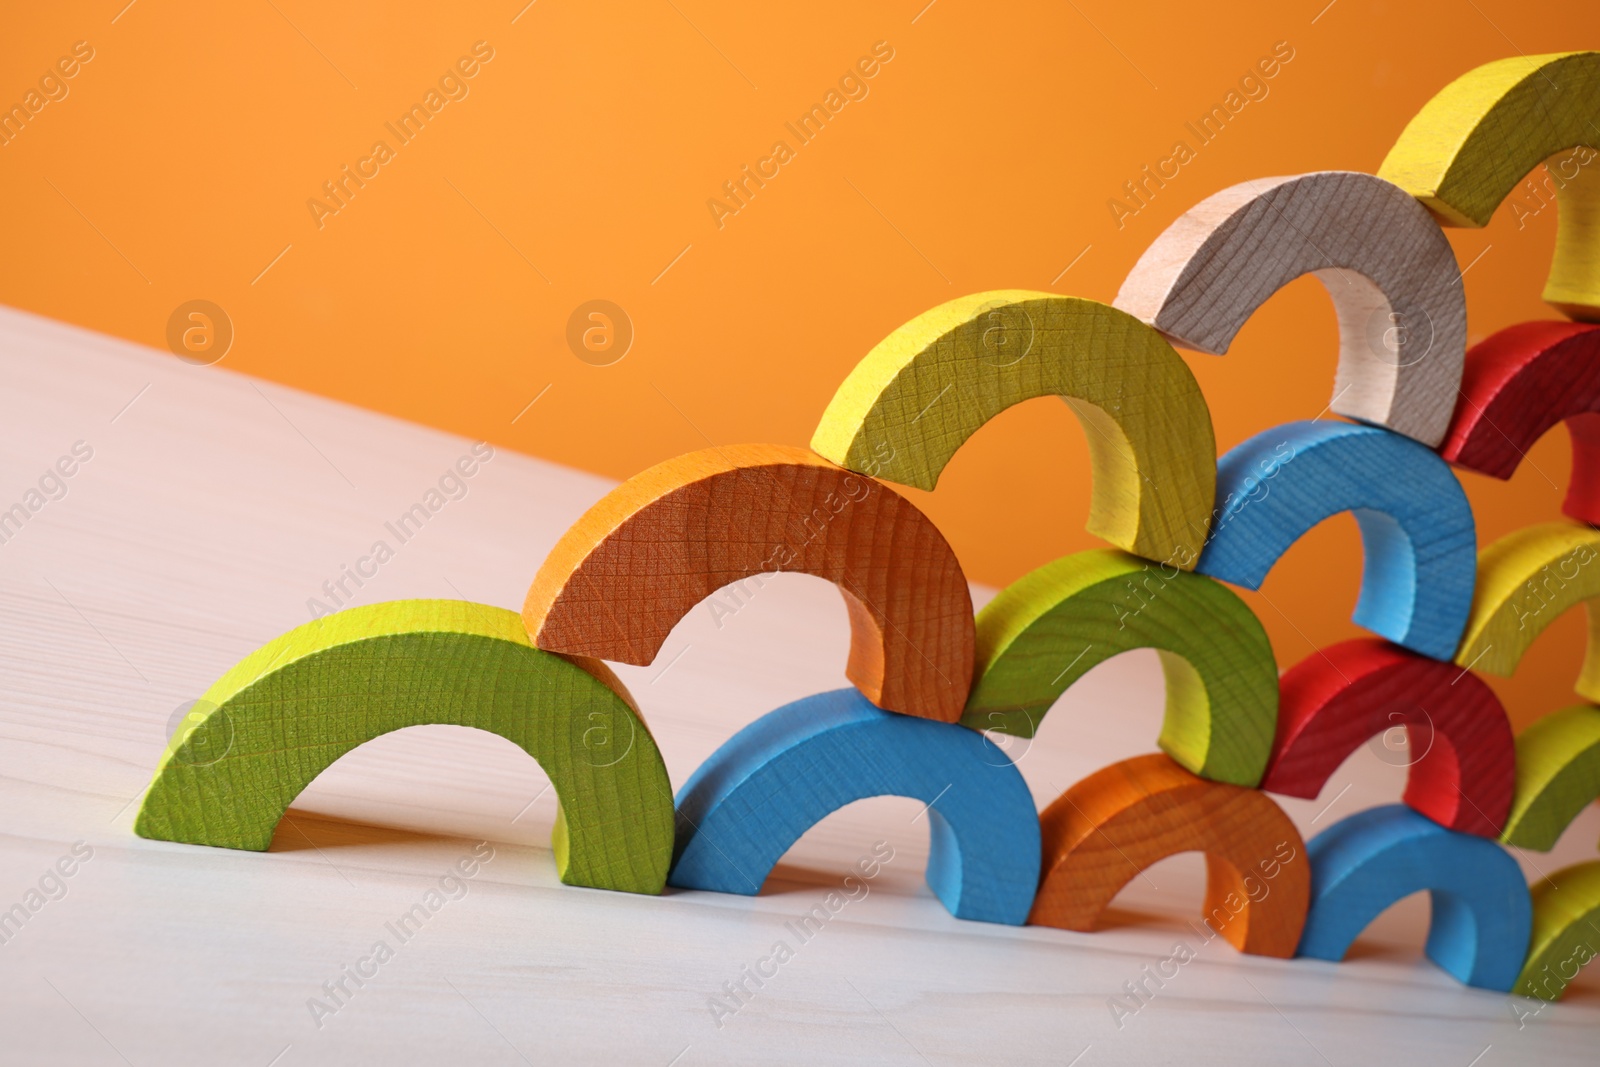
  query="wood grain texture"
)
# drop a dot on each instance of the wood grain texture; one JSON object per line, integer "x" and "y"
{"x": 1053, "y": 625}
{"x": 919, "y": 394}
{"x": 1526, "y": 580}
{"x": 1460, "y": 757}
{"x": 1566, "y": 930}
{"x": 1558, "y": 775}
{"x": 751, "y": 800}
{"x": 287, "y": 711}
{"x": 1417, "y": 530}
{"x": 1517, "y": 384}
{"x": 664, "y": 540}
{"x": 1105, "y": 829}
{"x": 194, "y": 957}
{"x": 1481, "y": 911}
{"x": 1470, "y": 145}
{"x": 1393, "y": 278}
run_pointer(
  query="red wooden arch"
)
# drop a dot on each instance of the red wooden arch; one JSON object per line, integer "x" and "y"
{"x": 1463, "y": 768}
{"x": 1517, "y": 384}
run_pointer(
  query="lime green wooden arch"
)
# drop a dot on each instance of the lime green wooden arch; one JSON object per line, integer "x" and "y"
{"x": 1047, "y": 629}
{"x": 290, "y": 709}
{"x": 911, "y": 403}
{"x": 1566, "y": 930}
{"x": 1558, "y": 775}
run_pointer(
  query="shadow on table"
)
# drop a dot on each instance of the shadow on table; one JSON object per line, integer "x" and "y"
{"x": 299, "y": 830}
{"x": 1120, "y": 916}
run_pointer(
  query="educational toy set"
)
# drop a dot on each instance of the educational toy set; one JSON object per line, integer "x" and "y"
{"x": 930, "y": 679}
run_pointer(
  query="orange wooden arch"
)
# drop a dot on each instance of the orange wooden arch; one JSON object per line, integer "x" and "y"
{"x": 1107, "y": 828}
{"x": 623, "y": 576}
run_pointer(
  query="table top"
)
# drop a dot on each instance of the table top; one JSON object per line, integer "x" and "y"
{"x": 210, "y": 512}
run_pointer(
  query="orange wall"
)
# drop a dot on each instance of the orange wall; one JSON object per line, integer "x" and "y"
{"x": 580, "y": 163}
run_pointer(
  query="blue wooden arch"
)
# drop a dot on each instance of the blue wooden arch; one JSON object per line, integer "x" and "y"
{"x": 753, "y": 798}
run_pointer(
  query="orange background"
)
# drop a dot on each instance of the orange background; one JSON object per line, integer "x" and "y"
{"x": 579, "y": 165}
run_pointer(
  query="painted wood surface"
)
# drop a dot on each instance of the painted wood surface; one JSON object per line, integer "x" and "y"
{"x": 1460, "y": 759}
{"x": 1393, "y": 278}
{"x": 1417, "y": 530}
{"x": 751, "y": 800}
{"x": 913, "y": 401}
{"x": 286, "y": 712}
{"x": 1566, "y": 930}
{"x": 1050, "y": 627}
{"x": 1470, "y": 146}
{"x": 1104, "y": 830}
{"x": 1361, "y": 865}
{"x": 1520, "y": 382}
{"x": 1558, "y": 775}
{"x": 668, "y": 538}
{"x": 1526, "y": 580}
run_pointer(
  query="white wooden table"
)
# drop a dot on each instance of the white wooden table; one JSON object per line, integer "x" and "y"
{"x": 214, "y": 507}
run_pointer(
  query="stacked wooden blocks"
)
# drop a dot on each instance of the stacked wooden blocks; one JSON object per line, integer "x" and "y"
{"x": 930, "y": 679}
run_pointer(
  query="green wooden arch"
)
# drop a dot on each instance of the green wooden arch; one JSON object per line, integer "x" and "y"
{"x": 1566, "y": 930}
{"x": 910, "y": 404}
{"x": 290, "y": 709}
{"x": 1047, "y": 629}
{"x": 1558, "y": 775}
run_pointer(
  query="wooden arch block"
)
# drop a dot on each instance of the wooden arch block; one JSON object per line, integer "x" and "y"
{"x": 1519, "y": 383}
{"x": 776, "y": 778}
{"x": 287, "y": 711}
{"x": 1051, "y": 626}
{"x": 1416, "y": 525}
{"x": 1393, "y": 278}
{"x": 1121, "y": 819}
{"x": 1463, "y": 763}
{"x": 1525, "y": 581}
{"x": 915, "y": 399}
{"x": 1566, "y": 930}
{"x": 664, "y": 540}
{"x": 1481, "y": 911}
{"x": 1469, "y": 146}
{"x": 1558, "y": 775}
